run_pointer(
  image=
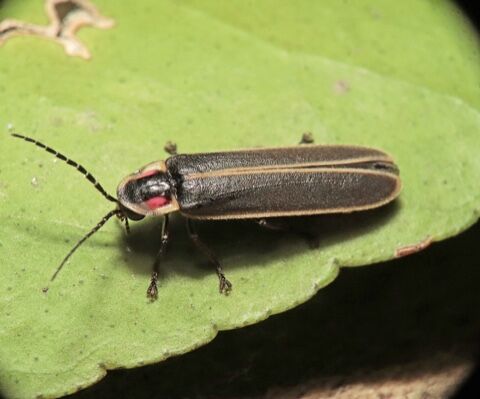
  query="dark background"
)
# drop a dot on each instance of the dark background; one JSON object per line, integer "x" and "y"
{"x": 472, "y": 10}
{"x": 471, "y": 388}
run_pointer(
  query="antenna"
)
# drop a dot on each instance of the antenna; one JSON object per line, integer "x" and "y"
{"x": 115, "y": 212}
{"x": 104, "y": 220}
{"x": 70, "y": 162}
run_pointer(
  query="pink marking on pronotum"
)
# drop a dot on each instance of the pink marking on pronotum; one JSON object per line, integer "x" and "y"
{"x": 413, "y": 248}
{"x": 157, "y": 202}
{"x": 148, "y": 173}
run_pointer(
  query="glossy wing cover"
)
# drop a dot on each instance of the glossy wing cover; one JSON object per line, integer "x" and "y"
{"x": 301, "y": 180}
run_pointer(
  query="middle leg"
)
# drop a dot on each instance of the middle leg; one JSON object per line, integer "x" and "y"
{"x": 152, "y": 291}
{"x": 282, "y": 225}
{"x": 225, "y": 286}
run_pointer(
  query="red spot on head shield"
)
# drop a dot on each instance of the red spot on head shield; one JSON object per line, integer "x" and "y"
{"x": 147, "y": 173}
{"x": 157, "y": 202}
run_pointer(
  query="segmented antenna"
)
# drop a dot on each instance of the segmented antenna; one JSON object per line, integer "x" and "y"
{"x": 104, "y": 220}
{"x": 70, "y": 162}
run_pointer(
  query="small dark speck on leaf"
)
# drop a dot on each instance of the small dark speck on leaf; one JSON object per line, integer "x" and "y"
{"x": 341, "y": 87}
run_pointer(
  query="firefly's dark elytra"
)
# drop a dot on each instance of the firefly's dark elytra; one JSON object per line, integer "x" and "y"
{"x": 247, "y": 184}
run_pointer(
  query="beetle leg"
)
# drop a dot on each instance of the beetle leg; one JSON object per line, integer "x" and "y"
{"x": 278, "y": 225}
{"x": 124, "y": 219}
{"x": 225, "y": 286}
{"x": 152, "y": 291}
{"x": 270, "y": 225}
{"x": 307, "y": 138}
{"x": 170, "y": 148}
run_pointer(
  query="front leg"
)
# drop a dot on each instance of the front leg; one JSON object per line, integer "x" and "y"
{"x": 170, "y": 148}
{"x": 307, "y": 138}
{"x": 124, "y": 219}
{"x": 225, "y": 286}
{"x": 152, "y": 291}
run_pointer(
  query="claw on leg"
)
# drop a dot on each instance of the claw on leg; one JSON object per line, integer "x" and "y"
{"x": 152, "y": 291}
{"x": 225, "y": 286}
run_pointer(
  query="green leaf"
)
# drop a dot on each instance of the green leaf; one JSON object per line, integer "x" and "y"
{"x": 400, "y": 76}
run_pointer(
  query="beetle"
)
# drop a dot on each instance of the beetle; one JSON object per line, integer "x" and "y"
{"x": 259, "y": 184}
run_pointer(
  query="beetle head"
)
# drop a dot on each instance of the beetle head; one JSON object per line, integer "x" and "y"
{"x": 146, "y": 192}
